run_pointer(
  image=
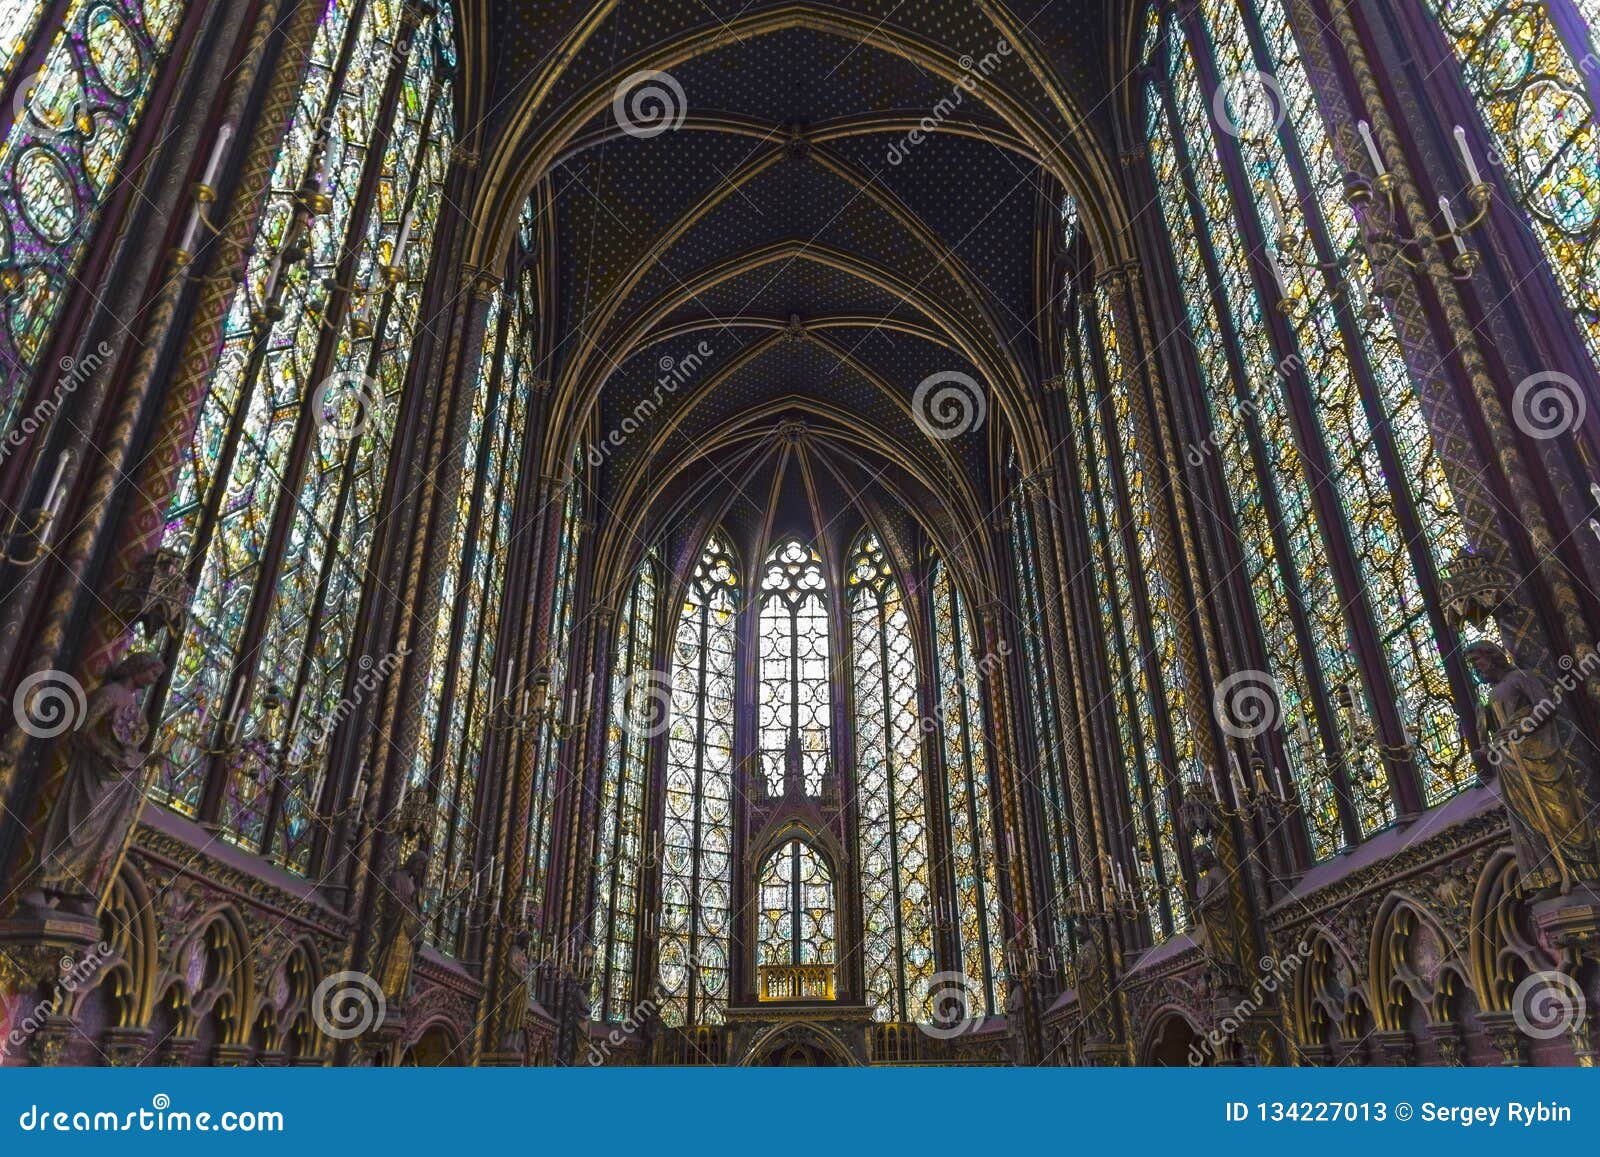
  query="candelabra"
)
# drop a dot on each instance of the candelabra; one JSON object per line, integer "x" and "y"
{"x": 1382, "y": 237}
{"x": 1254, "y": 793}
{"x": 28, "y": 539}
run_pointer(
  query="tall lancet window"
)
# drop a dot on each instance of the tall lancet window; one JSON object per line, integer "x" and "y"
{"x": 795, "y": 700}
{"x": 464, "y": 676}
{"x": 551, "y": 727}
{"x": 697, "y": 815}
{"x": 891, "y": 811}
{"x": 1044, "y": 712}
{"x": 277, "y": 503}
{"x": 62, "y": 153}
{"x": 967, "y": 795}
{"x": 1531, "y": 73}
{"x": 635, "y": 718}
{"x": 1317, "y": 426}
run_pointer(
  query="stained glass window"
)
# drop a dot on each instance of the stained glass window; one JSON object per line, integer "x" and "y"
{"x": 1043, "y": 711}
{"x": 463, "y": 675}
{"x": 1108, "y": 515}
{"x": 797, "y": 912}
{"x": 697, "y": 824}
{"x": 635, "y": 704}
{"x": 976, "y": 909}
{"x": 1531, "y": 75}
{"x": 61, "y": 156}
{"x": 284, "y": 474}
{"x": 892, "y": 824}
{"x": 553, "y": 725}
{"x": 794, "y": 703}
{"x": 1360, "y": 399}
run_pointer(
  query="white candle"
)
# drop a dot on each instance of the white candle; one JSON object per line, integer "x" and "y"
{"x": 405, "y": 783}
{"x": 54, "y": 495}
{"x": 233, "y": 709}
{"x": 1277, "y": 206}
{"x": 1372, "y": 147}
{"x": 191, "y": 231}
{"x": 1277, "y": 273}
{"x": 1449, "y": 215}
{"x": 401, "y": 241}
{"x": 1467, "y": 157}
{"x": 361, "y": 795}
{"x": 272, "y": 278}
{"x": 1236, "y": 775}
{"x": 218, "y": 148}
{"x": 1216, "y": 788}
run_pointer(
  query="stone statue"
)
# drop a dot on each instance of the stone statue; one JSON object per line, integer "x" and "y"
{"x": 1089, "y": 975}
{"x": 518, "y": 965}
{"x": 1222, "y": 940}
{"x": 403, "y": 925}
{"x": 89, "y": 824}
{"x": 1544, "y": 787}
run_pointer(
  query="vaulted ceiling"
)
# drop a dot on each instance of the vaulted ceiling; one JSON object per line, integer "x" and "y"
{"x": 847, "y": 201}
